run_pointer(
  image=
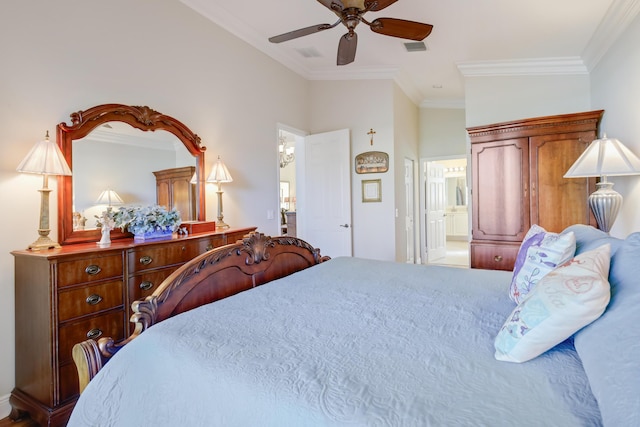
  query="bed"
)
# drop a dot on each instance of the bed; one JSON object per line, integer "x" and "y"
{"x": 347, "y": 341}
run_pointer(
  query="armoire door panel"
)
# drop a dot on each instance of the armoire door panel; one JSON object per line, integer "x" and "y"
{"x": 558, "y": 202}
{"x": 500, "y": 180}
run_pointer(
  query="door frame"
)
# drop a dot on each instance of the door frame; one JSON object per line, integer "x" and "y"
{"x": 299, "y": 173}
{"x": 424, "y": 185}
{"x": 412, "y": 251}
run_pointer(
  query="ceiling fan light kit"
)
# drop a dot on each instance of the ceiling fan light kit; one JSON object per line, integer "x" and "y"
{"x": 351, "y": 14}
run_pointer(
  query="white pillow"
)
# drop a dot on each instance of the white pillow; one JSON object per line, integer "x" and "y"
{"x": 563, "y": 302}
{"x": 539, "y": 253}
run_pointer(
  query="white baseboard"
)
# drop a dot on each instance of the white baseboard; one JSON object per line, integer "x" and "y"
{"x": 5, "y": 408}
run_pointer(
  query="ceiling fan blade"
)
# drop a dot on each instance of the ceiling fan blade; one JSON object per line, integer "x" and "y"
{"x": 328, "y": 3}
{"x": 300, "y": 33}
{"x": 380, "y": 4}
{"x": 401, "y": 28}
{"x": 347, "y": 48}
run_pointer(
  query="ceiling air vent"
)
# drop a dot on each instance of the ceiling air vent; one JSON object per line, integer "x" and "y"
{"x": 309, "y": 52}
{"x": 415, "y": 46}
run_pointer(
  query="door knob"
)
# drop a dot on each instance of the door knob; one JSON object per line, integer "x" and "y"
{"x": 344, "y": 225}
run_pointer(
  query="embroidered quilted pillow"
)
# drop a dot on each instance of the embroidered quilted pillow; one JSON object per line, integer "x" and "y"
{"x": 565, "y": 300}
{"x": 539, "y": 253}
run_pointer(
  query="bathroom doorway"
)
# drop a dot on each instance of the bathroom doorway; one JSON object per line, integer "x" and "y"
{"x": 450, "y": 239}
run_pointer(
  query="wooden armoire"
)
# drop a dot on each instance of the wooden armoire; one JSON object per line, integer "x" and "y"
{"x": 174, "y": 189}
{"x": 517, "y": 176}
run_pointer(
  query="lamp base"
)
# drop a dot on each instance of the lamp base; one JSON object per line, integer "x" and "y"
{"x": 43, "y": 243}
{"x": 605, "y": 203}
{"x": 220, "y": 224}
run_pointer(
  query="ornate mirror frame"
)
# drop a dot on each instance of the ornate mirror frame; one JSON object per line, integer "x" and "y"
{"x": 143, "y": 118}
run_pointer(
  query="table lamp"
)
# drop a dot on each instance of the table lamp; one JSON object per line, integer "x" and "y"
{"x": 605, "y": 157}
{"x": 45, "y": 158}
{"x": 218, "y": 175}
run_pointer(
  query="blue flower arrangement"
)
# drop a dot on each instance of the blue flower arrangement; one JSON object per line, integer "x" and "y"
{"x": 141, "y": 220}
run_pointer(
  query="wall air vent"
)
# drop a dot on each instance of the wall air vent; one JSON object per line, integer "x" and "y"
{"x": 415, "y": 46}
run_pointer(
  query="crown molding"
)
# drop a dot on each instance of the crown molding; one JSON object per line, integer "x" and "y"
{"x": 618, "y": 17}
{"x": 523, "y": 67}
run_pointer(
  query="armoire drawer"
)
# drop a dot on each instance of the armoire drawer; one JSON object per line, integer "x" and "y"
{"x": 77, "y": 302}
{"x": 89, "y": 269}
{"x": 150, "y": 257}
{"x": 494, "y": 256}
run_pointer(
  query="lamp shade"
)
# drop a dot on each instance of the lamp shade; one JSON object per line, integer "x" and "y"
{"x": 45, "y": 158}
{"x": 219, "y": 173}
{"x": 110, "y": 198}
{"x": 605, "y": 157}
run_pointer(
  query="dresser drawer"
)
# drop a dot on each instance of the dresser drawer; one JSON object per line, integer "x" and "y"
{"x": 68, "y": 381}
{"x": 89, "y": 269}
{"x": 210, "y": 242}
{"x": 493, "y": 256}
{"x": 105, "y": 325}
{"x": 156, "y": 256}
{"x": 233, "y": 236}
{"x": 143, "y": 285}
{"x": 76, "y": 302}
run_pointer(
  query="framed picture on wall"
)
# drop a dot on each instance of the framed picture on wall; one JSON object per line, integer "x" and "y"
{"x": 372, "y": 162}
{"x": 371, "y": 190}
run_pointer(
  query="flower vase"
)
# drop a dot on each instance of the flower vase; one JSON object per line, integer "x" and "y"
{"x": 154, "y": 235}
{"x": 106, "y": 237}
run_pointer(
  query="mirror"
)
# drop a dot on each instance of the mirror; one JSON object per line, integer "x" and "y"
{"x": 140, "y": 149}
{"x": 456, "y": 191}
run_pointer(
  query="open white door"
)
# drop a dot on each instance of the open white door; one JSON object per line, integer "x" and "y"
{"x": 324, "y": 207}
{"x": 435, "y": 205}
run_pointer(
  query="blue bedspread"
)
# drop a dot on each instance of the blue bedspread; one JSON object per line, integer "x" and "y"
{"x": 347, "y": 342}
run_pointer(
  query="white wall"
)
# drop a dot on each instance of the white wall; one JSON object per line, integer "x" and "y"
{"x": 68, "y": 55}
{"x": 615, "y": 87}
{"x": 406, "y": 118}
{"x": 495, "y": 99}
{"x": 443, "y": 132}
{"x": 360, "y": 106}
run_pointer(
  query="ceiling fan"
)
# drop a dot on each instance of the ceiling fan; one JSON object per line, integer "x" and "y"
{"x": 351, "y": 14}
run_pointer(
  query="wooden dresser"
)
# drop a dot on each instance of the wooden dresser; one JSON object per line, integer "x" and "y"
{"x": 517, "y": 170}
{"x": 64, "y": 296}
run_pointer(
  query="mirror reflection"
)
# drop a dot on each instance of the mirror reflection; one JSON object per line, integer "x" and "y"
{"x": 114, "y": 166}
{"x": 456, "y": 191}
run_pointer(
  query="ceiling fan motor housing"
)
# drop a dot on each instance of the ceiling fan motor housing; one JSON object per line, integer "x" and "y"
{"x": 359, "y": 4}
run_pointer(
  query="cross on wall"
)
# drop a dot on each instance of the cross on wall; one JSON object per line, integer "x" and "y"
{"x": 371, "y": 132}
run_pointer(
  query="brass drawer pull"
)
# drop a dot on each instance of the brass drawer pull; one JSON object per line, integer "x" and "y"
{"x": 94, "y": 333}
{"x": 146, "y": 285}
{"x": 209, "y": 247}
{"x": 497, "y": 258}
{"x": 146, "y": 260}
{"x": 92, "y": 270}
{"x": 93, "y": 299}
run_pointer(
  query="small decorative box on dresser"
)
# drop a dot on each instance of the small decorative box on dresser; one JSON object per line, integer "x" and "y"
{"x": 517, "y": 170}
{"x": 64, "y": 296}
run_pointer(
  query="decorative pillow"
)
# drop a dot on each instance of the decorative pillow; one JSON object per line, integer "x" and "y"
{"x": 610, "y": 347}
{"x": 564, "y": 301}
{"x": 539, "y": 253}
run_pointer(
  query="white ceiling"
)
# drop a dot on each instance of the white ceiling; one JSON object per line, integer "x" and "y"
{"x": 470, "y": 37}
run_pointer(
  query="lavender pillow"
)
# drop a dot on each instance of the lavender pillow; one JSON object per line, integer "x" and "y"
{"x": 539, "y": 253}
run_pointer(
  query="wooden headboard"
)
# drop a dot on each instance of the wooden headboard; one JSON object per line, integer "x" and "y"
{"x": 214, "y": 275}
